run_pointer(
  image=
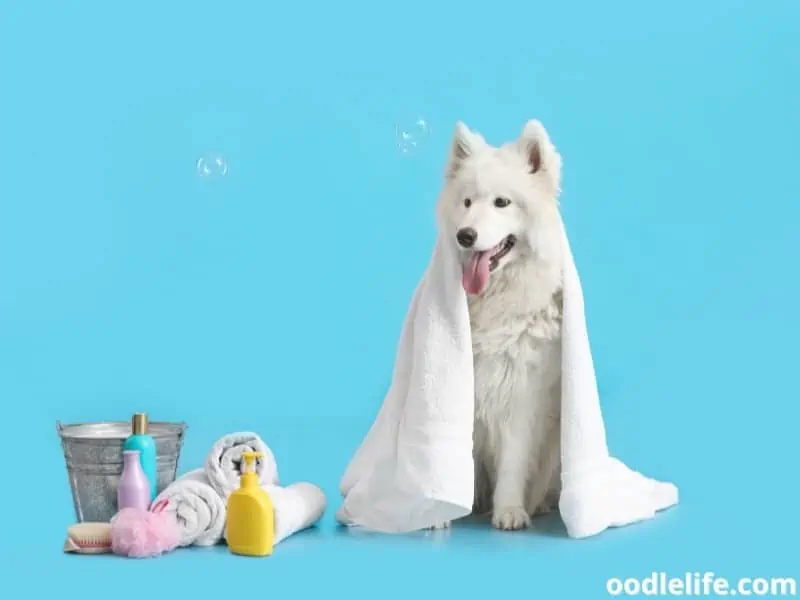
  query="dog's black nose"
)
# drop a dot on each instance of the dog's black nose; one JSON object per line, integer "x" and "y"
{"x": 467, "y": 236}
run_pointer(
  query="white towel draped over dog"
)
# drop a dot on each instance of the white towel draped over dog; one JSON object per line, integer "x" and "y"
{"x": 414, "y": 469}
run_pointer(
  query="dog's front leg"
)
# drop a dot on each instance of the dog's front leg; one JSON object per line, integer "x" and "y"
{"x": 512, "y": 472}
{"x": 546, "y": 481}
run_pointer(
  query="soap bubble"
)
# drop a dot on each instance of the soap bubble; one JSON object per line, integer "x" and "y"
{"x": 212, "y": 166}
{"x": 411, "y": 135}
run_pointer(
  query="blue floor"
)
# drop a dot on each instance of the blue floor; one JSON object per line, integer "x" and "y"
{"x": 736, "y": 518}
{"x": 266, "y": 291}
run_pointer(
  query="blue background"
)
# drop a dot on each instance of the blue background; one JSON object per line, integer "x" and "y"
{"x": 271, "y": 298}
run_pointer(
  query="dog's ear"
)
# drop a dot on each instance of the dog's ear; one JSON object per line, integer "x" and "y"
{"x": 539, "y": 152}
{"x": 464, "y": 145}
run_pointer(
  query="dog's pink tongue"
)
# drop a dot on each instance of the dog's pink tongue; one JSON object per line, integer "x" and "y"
{"x": 476, "y": 273}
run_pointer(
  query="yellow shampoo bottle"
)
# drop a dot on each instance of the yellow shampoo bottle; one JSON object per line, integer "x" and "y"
{"x": 251, "y": 520}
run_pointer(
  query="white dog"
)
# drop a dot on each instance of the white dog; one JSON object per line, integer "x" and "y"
{"x": 500, "y": 207}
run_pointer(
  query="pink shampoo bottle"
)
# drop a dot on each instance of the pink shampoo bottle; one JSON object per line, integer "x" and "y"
{"x": 133, "y": 490}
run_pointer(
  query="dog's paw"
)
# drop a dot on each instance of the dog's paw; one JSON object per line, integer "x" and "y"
{"x": 543, "y": 509}
{"x": 546, "y": 507}
{"x": 511, "y": 518}
{"x": 439, "y": 526}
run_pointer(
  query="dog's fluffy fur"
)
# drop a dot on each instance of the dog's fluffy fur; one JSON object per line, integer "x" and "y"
{"x": 515, "y": 315}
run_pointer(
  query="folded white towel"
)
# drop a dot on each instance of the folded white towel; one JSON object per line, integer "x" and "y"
{"x": 224, "y": 462}
{"x": 414, "y": 469}
{"x": 198, "y": 509}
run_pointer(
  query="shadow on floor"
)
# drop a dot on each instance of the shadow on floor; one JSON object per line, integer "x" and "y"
{"x": 545, "y": 526}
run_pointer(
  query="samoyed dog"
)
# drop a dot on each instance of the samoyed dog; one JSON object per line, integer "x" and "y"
{"x": 499, "y": 207}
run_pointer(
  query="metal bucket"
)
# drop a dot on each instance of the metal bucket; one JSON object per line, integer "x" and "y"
{"x": 93, "y": 452}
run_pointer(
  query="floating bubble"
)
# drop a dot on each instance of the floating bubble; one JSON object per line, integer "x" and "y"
{"x": 212, "y": 166}
{"x": 411, "y": 135}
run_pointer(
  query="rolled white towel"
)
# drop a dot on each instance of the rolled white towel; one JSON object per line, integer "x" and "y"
{"x": 199, "y": 499}
{"x": 297, "y": 506}
{"x": 198, "y": 509}
{"x": 224, "y": 462}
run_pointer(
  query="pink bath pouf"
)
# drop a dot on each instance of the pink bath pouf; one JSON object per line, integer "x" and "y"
{"x": 141, "y": 533}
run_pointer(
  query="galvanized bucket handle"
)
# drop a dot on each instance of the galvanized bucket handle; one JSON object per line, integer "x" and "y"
{"x": 183, "y": 426}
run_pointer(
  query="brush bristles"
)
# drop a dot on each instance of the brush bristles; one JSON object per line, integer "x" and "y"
{"x": 90, "y": 537}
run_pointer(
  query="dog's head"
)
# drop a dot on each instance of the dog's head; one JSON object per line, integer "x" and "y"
{"x": 500, "y": 203}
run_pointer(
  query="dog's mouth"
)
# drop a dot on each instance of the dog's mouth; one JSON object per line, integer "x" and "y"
{"x": 480, "y": 264}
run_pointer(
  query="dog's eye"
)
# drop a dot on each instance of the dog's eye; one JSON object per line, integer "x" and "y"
{"x": 467, "y": 202}
{"x": 501, "y": 202}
